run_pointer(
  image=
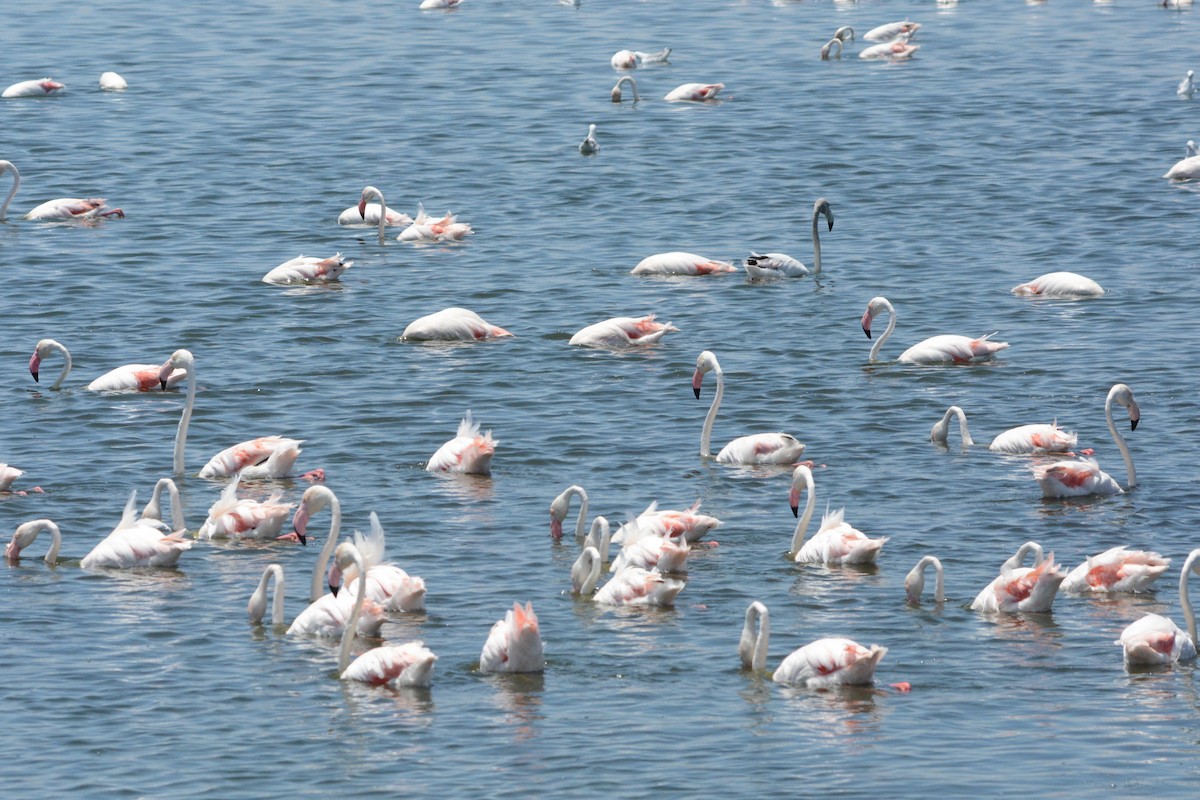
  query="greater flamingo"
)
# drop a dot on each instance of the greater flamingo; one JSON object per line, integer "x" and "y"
{"x": 153, "y": 509}
{"x": 934, "y": 350}
{"x": 585, "y": 572}
{"x": 1117, "y": 570}
{"x": 634, "y": 586}
{"x": 231, "y": 517}
{"x": 129, "y": 378}
{"x": 836, "y": 542}
{"x": 1034, "y": 438}
{"x": 137, "y": 542}
{"x": 27, "y": 533}
{"x": 914, "y": 582}
{"x": 60, "y": 208}
{"x": 1059, "y": 284}
{"x": 616, "y": 90}
{"x": 387, "y": 584}
{"x": 589, "y": 146}
{"x": 688, "y": 523}
{"x": 829, "y": 47}
{"x": 781, "y": 265}
{"x": 1186, "y": 169}
{"x": 452, "y": 325}
{"x": 426, "y": 229}
{"x": 681, "y": 263}
{"x": 112, "y": 82}
{"x": 8, "y": 475}
{"x": 844, "y": 33}
{"x": 1155, "y": 640}
{"x": 694, "y": 92}
{"x": 833, "y": 661}
{"x": 891, "y": 30}
{"x": 257, "y": 607}
{"x": 1084, "y": 476}
{"x": 308, "y": 269}
{"x": 621, "y": 332}
{"x": 408, "y": 664}
{"x": 314, "y": 500}
{"x": 561, "y": 505}
{"x": 897, "y": 49}
{"x": 642, "y": 547}
{"x": 514, "y": 644}
{"x": 46, "y": 87}
{"x": 1019, "y": 588}
{"x": 758, "y": 448}
{"x": 468, "y": 452}
{"x": 373, "y": 213}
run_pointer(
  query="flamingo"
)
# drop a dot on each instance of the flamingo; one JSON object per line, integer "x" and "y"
{"x": 914, "y": 582}
{"x": 153, "y": 509}
{"x": 599, "y": 538}
{"x": 1019, "y": 588}
{"x": 634, "y": 586}
{"x": 616, "y": 90}
{"x": 129, "y": 378}
{"x": 836, "y": 542}
{"x": 452, "y": 325}
{"x": 891, "y": 30}
{"x": 589, "y": 146}
{"x": 1035, "y": 438}
{"x": 308, "y": 269}
{"x": 112, "y": 82}
{"x": 844, "y": 33}
{"x": 257, "y": 607}
{"x": 444, "y": 229}
{"x": 387, "y": 584}
{"x": 1117, "y": 570}
{"x": 428, "y": 4}
{"x": 694, "y": 92}
{"x": 758, "y": 448}
{"x": 623, "y": 59}
{"x": 514, "y": 644}
{"x": 781, "y": 265}
{"x": 46, "y": 87}
{"x": 27, "y": 533}
{"x": 231, "y": 517}
{"x": 314, "y": 500}
{"x": 1059, "y": 284}
{"x": 137, "y": 543}
{"x": 585, "y": 572}
{"x": 1186, "y": 169}
{"x": 1187, "y": 86}
{"x": 8, "y": 475}
{"x": 256, "y": 459}
{"x": 1084, "y": 476}
{"x": 1155, "y": 639}
{"x": 621, "y": 332}
{"x": 934, "y": 350}
{"x": 833, "y": 661}
{"x": 681, "y": 263}
{"x": 641, "y": 547}
{"x": 560, "y": 506}
{"x": 829, "y": 46}
{"x": 61, "y": 208}
{"x": 896, "y": 50}
{"x": 689, "y": 524}
{"x": 468, "y": 452}
{"x": 373, "y": 213}
{"x": 408, "y": 664}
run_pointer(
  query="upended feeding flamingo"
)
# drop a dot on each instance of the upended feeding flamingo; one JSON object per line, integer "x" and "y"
{"x": 44, "y": 87}
{"x": 669, "y": 522}
{"x": 836, "y": 542}
{"x": 137, "y": 542}
{"x": 1019, "y": 588}
{"x": 759, "y": 448}
{"x": 514, "y": 644}
{"x": 1084, "y": 476}
{"x": 622, "y": 332}
{"x": 914, "y": 582}
{"x": 941, "y": 349}
{"x": 1155, "y": 640}
{"x": 616, "y": 90}
{"x": 1059, "y": 284}
{"x": 694, "y": 92}
{"x": 60, "y": 208}
{"x": 308, "y": 269}
{"x": 468, "y": 452}
{"x": 1035, "y": 438}
{"x": 452, "y": 325}
{"x": 387, "y": 584}
{"x": 231, "y": 517}
{"x": 1116, "y": 570}
{"x": 681, "y": 263}
{"x": 129, "y": 378}
{"x": 781, "y": 265}
{"x": 832, "y": 661}
{"x": 425, "y": 229}
{"x": 27, "y": 533}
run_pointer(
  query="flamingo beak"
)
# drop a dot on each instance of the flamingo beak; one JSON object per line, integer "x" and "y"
{"x": 34, "y": 363}
{"x": 335, "y": 579}
{"x": 555, "y": 527}
{"x": 362, "y": 208}
{"x": 697, "y": 377}
{"x": 1135, "y": 414}
{"x": 866, "y": 323}
{"x": 300, "y": 523}
{"x": 794, "y": 501}
{"x": 164, "y": 373}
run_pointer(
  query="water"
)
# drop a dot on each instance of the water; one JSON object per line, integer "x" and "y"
{"x": 1022, "y": 139}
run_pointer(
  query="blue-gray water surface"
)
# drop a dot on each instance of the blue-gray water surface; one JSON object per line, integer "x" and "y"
{"x": 1021, "y": 139}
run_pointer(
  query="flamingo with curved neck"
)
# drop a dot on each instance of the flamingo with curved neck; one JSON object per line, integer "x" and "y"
{"x": 845, "y": 33}
{"x": 941, "y": 428}
{"x": 41, "y": 350}
{"x": 833, "y": 661}
{"x": 315, "y": 499}
{"x": 181, "y": 359}
{"x": 1020, "y": 588}
{"x": 781, "y": 265}
{"x": 1155, "y": 639}
{"x": 27, "y": 533}
{"x": 758, "y": 448}
{"x": 127, "y": 378}
{"x": 941, "y": 349}
{"x": 616, "y": 90}
{"x": 560, "y": 506}
{"x": 836, "y": 541}
{"x": 257, "y": 607}
{"x": 1084, "y": 476}
{"x": 914, "y": 582}
{"x": 8, "y": 166}
{"x": 829, "y": 46}
{"x": 153, "y": 509}
{"x": 585, "y": 572}
{"x": 599, "y": 538}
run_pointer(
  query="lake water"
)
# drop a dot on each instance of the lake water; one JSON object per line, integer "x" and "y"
{"x": 1021, "y": 139}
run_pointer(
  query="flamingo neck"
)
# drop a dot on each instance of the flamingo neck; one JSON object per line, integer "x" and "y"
{"x": 66, "y": 369}
{"x": 382, "y": 216}
{"x": 706, "y": 433}
{"x": 56, "y": 542}
{"x": 182, "y": 431}
{"x": 829, "y": 46}
{"x": 817, "y": 215}
{"x": 589, "y": 560}
{"x": 12, "y": 192}
{"x": 600, "y": 537}
{"x": 1124, "y": 448}
{"x": 1185, "y": 601}
{"x": 939, "y": 589}
{"x": 581, "y": 520}
{"x": 335, "y": 529}
{"x": 941, "y": 430}
{"x": 277, "y": 600}
{"x": 1018, "y": 558}
{"x": 352, "y": 620}
{"x": 806, "y": 517}
{"x": 176, "y": 506}
{"x": 891, "y": 326}
{"x": 754, "y": 644}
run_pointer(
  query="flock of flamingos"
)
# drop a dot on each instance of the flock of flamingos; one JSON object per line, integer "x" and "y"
{"x": 654, "y": 545}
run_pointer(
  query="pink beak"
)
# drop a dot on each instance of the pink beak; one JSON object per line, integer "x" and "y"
{"x": 34, "y": 362}
{"x": 697, "y": 378}
{"x": 866, "y": 323}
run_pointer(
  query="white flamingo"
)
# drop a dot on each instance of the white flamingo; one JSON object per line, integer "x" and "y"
{"x": 616, "y": 90}
{"x": 1155, "y": 640}
{"x": 622, "y": 332}
{"x": 634, "y": 586}
{"x": 112, "y": 82}
{"x": 27, "y": 533}
{"x": 387, "y": 584}
{"x": 836, "y": 542}
{"x": 1084, "y": 476}
{"x": 1186, "y": 169}
{"x": 153, "y": 509}
{"x": 468, "y": 452}
{"x": 560, "y": 506}
{"x": 1117, "y": 570}
{"x": 366, "y": 213}
{"x": 514, "y": 644}
{"x": 1034, "y": 438}
{"x": 308, "y": 269}
{"x": 45, "y": 87}
{"x": 681, "y": 263}
{"x": 137, "y": 542}
{"x": 231, "y": 517}
{"x": 759, "y": 448}
{"x": 256, "y": 609}
{"x": 1059, "y": 284}
{"x": 1020, "y": 588}
{"x": 890, "y": 30}
{"x": 129, "y": 378}
{"x": 781, "y": 265}
{"x": 694, "y": 93}
{"x": 61, "y": 208}
{"x": 934, "y": 350}
{"x": 914, "y": 582}
{"x": 585, "y": 572}
{"x": 833, "y": 661}
{"x": 452, "y": 325}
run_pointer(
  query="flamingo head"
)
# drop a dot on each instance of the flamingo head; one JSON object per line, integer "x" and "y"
{"x": 22, "y": 538}
{"x": 876, "y": 305}
{"x": 821, "y": 206}
{"x": 180, "y": 359}
{"x": 49, "y": 85}
{"x": 1124, "y": 395}
{"x": 559, "y": 507}
{"x": 35, "y": 361}
{"x": 705, "y": 362}
{"x": 368, "y": 193}
{"x": 801, "y": 477}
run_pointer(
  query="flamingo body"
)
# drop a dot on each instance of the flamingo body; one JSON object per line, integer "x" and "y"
{"x": 368, "y": 214}
{"x": 514, "y": 644}
{"x": 1022, "y": 589}
{"x": 1117, "y": 570}
{"x": 112, "y": 82}
{"x": 46, "y": 87}
{"x": 839, "y": 542}
{"x": 137, "y": 543}
{"x": 264, "y": 457}
{"x": 622, "y": 332}
{"x": 408, "y": 664}
{"x": 8, "y": 475}
{"x": 231, "y": 517}
{"x": 694, "y": 92}
{"x": 135, "y": 378}
{"x": 946, "y": 348}
{"x": 308, "y": 269}
{"x": 670, "y": 523}
{"x": 774, "y": 265}
{"x": 635, "y": 586}
{"x": 1059, "y": 284}
{"x": 1186, "y": 169}
{"x": 891, "y": 30}
{"x": 468, "y": 452}
{"x": 832, "y": 661}
{"x": 895, "y": 50}
{"x": 326, "y": 617}
{"x": 1036, "y": 438}
{"x": 1155, "y": 640}
{"x": 452, "y": 325}
{"x": 73, "y": 208}
{"x": 681, "y": 263}
{"x": 387, "y": 584}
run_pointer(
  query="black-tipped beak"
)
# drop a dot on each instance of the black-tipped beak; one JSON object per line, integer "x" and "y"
{"x": 162, "y": 384}
{"x": 1133, "y": 424}
{"x": 334, "y": 589}
{"x": 795, "y": 511}
{"x": 303, "y": 539}
{"x": 867, "y": 331}
{"x": 35, "y": 376}
{"x": 695, "y": 390}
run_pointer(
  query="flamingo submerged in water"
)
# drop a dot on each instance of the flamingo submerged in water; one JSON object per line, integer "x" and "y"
{"x": 1084, "y": 476}
{"x": 308, "y": 269}
{"x": 694, "y": 93}
{"x": 137, "y": 542}
{"x": 1117, "y": 570}
{"x": 622, "y": 332}
{"x": 634, "y": 586}
{"x": 387, "y": 584}
{"x": 231, "y": 517}
{"x": 514, "y": 644}
{"x": 129, "y": 378}
{"x": 1186, "y": 169}
{"x": 1155, "y": 640}
{"x": 836, "y": 542}
{"x": 45, "y": 87}
{"x": 1059, "y": 284}
{"x": 759, "y": 448}
{"x": 62, "y": 208}
{"x": 781, "y": 265}
{"x": 681, "y": 263}
{"x": 1035, "y": 438}
{"x": 616, "y": 90}
{"x": 1020, "y": 588}
{"x": 942, "y": 349}
{"x": 914, "y": 582}
{"x": 27, "y": 533}
{"x": 468, "y": 452}
{"x": 833, "y": 661}
{"x": 452, "y": 325}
